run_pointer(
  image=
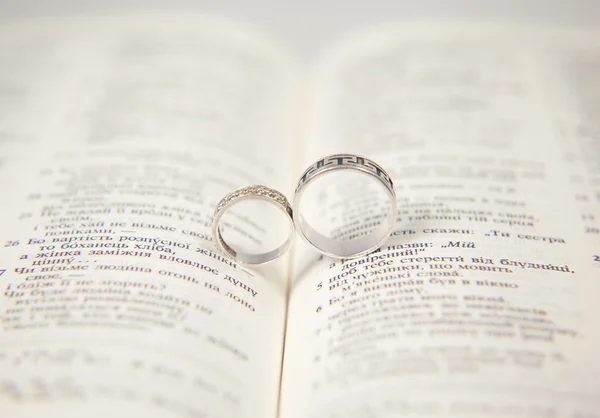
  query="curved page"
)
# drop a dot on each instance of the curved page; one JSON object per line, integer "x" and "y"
{"x": 483, "y": 302}
{"x": 118, "y": 137}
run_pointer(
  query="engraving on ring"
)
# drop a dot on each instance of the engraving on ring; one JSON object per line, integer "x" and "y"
{"x": 345, "y": 160}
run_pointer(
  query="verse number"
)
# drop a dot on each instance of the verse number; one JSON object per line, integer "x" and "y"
{"x": 2, "y": 271}
{"x": 11, "y": 243}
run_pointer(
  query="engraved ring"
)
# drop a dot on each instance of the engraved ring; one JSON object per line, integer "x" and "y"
{"x": 358, "y": 222}
{"x": 245, "y": 193}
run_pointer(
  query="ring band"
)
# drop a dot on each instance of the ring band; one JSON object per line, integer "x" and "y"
{"x": 245, "y": 193}
{"x": 356, "y": 246}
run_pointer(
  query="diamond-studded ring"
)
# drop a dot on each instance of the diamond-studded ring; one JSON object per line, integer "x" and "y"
{"x": 245, "y": 193}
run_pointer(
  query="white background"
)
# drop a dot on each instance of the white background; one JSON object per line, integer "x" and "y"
{"x": 308, "y": 26}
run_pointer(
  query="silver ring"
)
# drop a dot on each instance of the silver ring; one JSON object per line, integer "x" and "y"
{"x": 245, "y": 193}
{"x": 349, "y": 246}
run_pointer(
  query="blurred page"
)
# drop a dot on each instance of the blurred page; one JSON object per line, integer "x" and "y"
{"x": 117, "y": 139}
{"x": 483, "y": 301}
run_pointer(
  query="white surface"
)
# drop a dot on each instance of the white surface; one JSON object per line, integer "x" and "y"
{"x": 308, "y": 26}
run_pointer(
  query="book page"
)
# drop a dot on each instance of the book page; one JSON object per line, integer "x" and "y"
{"x": 483, "y": 302}
{"x": 118, "y": 137}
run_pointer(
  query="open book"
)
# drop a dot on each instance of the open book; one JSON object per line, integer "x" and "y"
{"x": 119, "y": 136}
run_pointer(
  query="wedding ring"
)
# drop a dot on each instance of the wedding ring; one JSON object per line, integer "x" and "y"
{"x": 252, "y": 192}
{"x": 355, "y": 215}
